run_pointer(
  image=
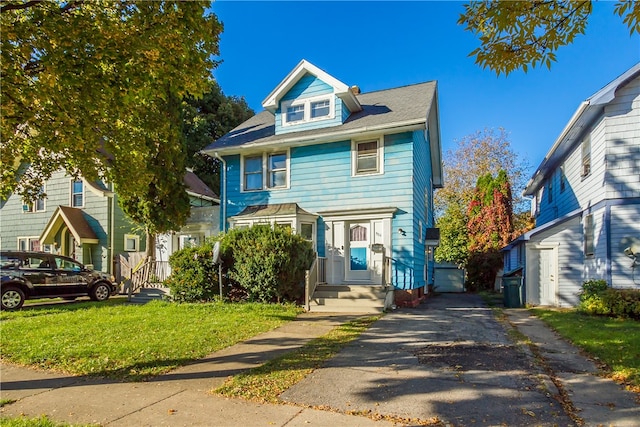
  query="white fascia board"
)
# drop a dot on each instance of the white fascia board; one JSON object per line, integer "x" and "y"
{"x": 202, "y": 196}
{"x": 538, "y": 176}
{"x": 293, "y": 141}
{"x": 270, "y": 103}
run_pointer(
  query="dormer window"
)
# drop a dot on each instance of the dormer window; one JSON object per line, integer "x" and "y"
{"x": 295, "y": 113}
{"x": 299, "y": 111}
{"x": 320, "y": 109}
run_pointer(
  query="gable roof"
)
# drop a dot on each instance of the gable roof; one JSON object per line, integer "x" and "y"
{"x": 75, "y": 221}
{"x": 197, "y": 188}
{"x": 402, "y": 108}
{"x": 341, "y": 90}
{"x": 582, "y": 119}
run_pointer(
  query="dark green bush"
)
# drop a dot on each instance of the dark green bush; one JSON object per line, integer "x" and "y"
{"x": 597, "y": 298}
{"x": 193, "y": 278}
{"x": 482, "y": 268}
{"x": 269, "y": 263}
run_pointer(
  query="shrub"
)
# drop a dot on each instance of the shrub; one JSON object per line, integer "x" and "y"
{"x": 269, "y": 263}
{"x": 597, "y": 298}
{"x": 482, "y": 268}
{"x": 193, "y": 278}
{"x": 591, "y": 301}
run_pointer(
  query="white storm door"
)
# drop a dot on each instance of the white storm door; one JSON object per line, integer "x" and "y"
{"x": 548, "y": 283}
{"x": 358, "y": 261}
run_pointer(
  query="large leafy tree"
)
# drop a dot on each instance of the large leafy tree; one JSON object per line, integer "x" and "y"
{"x": 521, "y": 34}
{"x": 206, "y": 119}
{"x": 88, "y": 87}
{"x": 490, "y": 227}
{"x": 484, "y": 153}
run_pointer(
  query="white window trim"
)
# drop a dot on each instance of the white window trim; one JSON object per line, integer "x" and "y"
{"x": 28, "y": 240}
{"x": 354, "y": 157}
{"x": 307, "y": 109}
{"x": 135, "y": 238}
{"x": 265, "y": 171}
{"x": 33, "y": 204}
{"x": 71, "y": 193}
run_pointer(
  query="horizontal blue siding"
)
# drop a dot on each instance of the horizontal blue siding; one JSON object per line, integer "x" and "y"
{"x": 308, "y": 87}
{"x": 321, "y": 181}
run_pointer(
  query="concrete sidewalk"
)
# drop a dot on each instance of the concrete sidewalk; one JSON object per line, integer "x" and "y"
{"x": 179, "y": 398}
{"x": 449, "y": 362}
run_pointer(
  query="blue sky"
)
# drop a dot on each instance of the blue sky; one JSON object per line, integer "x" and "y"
{"x": 379, "y": 45}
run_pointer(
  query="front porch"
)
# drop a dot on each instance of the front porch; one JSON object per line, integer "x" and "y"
{"x": 348, "y": 297}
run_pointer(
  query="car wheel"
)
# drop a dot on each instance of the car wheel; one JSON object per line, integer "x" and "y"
{"x": 100, "y": 292}
{"x": 12, "y": 298}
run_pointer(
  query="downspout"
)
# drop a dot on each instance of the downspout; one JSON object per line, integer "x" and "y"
{"x": 223, "y": 187}
{"x": 112, "y": 230}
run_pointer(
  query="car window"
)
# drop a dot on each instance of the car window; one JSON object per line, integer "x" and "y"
{"x": 34, "y": 261}
{"x": 9, "y": 262}
{"x": 67, "y": 265}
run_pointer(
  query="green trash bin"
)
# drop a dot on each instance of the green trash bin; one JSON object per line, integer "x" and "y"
{"x": 512, "y": 292}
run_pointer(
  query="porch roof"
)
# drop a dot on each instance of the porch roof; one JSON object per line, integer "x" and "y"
{"x": 273, "y": 210}
{"x": 75, "y": 221}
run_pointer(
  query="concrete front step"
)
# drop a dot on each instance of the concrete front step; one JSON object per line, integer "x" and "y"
{"x": 145, "y": 295}
{"x": 348, "y": 299}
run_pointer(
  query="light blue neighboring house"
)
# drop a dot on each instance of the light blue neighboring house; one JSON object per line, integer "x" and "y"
{"x": 586, "y": 202}
{"x": 352, "y": 172}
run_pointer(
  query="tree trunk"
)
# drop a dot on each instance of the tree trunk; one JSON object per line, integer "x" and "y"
{"x": 151, "y": 246}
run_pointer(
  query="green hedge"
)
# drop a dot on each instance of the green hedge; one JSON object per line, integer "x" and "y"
{"x": 193, "y": 278}
{"x": 268, "y": 262}
{"x": 597, "y": 298}
{"x": 260, "y": 263}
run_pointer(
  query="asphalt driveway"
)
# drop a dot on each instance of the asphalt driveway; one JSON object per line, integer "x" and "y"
{"x": 447, "y": 360}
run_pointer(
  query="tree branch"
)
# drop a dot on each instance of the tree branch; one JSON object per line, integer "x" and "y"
{"x": 19, "y": 6}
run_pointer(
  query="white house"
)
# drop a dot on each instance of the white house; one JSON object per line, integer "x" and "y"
{"x": 586, "y": 202}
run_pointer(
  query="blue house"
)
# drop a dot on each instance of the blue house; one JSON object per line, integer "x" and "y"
{"x": 586, "y": 202}
{"x": 352, "y": 172}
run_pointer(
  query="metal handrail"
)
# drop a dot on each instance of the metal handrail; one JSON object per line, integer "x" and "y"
{"x": 310, "y": 283}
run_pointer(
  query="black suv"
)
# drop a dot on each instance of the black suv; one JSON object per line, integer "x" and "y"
{"x": 30, "y": 275}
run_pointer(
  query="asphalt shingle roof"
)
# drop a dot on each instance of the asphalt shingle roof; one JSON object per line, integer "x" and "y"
{"x": 388, "y": 107}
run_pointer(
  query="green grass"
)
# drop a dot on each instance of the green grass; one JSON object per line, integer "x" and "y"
{"x": 130, "y": 342}
{"x": 42, "y": 421}
{"x": 615, "y": 342}
{"x": 268, "y": 381}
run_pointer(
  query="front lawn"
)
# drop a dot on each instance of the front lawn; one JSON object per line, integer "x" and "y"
{"x": 615, "y": 342}
{"x": 130, "y": 342}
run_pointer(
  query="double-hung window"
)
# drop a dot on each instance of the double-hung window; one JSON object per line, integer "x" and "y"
{"x": 253, "y": 173}
{"x": 295, "y": 113}
{"x": 307, "y": 110}
{"x": 265, "y": 171}
{"x": 367, "y": 157}
{"x": 589, "y": 234}
{"x": 37, "y": 205}
{"x": 586, "y": 156}
{"x": 277, "y": 165}
{"x": 320, "y": 109}
{"x": 77, "y": 193}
